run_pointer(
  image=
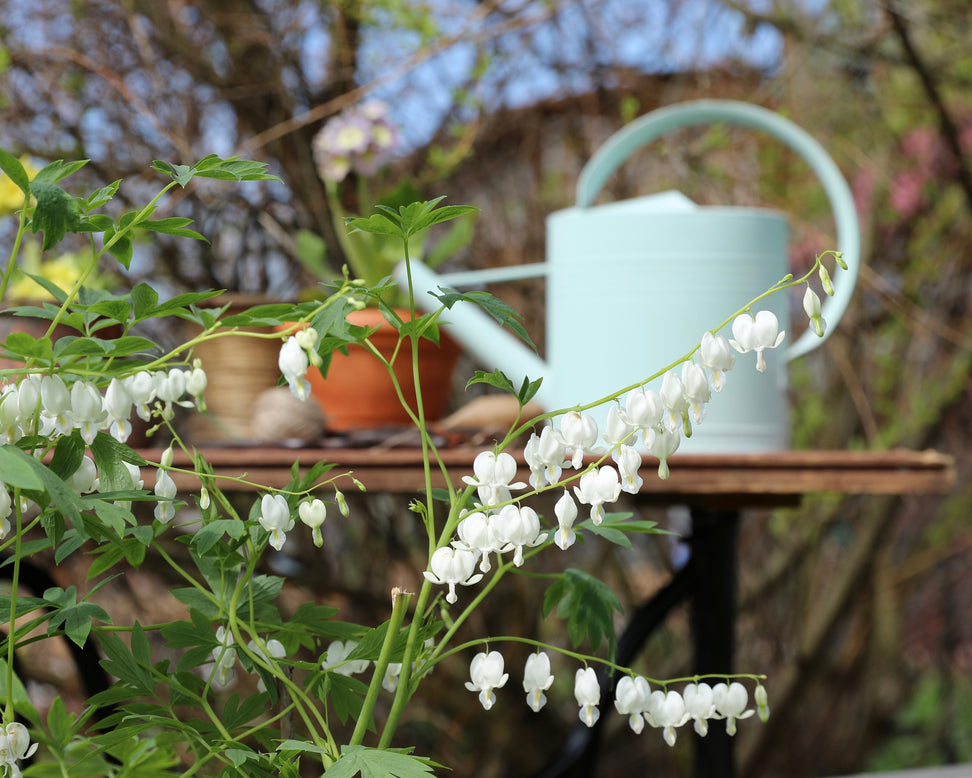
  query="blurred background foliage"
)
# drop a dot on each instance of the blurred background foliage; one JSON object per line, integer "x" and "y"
{"x": 858, "y": 609}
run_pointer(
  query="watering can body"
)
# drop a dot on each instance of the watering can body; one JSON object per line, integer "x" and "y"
{"x": 633, "y": 285}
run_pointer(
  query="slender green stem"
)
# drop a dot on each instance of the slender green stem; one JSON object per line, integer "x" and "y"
{"x": 399, "y": 606}
{"x": 14, "y": 251}
{"x": 12, "y": 628}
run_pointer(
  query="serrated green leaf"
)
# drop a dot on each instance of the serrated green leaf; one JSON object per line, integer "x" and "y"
{"x": 615, "y": 528}
{"x": 497, "y": 378}
{"x": 587, "y": 604}
{"x": 122, "y": 664}
{"x": 56, "y": 213}
{"x": 181, "y": 174}
{"x": 101, "y": 196}
{"x": 344, "y": 694}
{"x": 379, "y": 763}
{"x": 109, "y": 457}
{"x": 120, "y": 247}
{"x": 198, "y": 601}
{"x": 500, "y": 311}
{"x": 528, "y": 390}
{"x": 376, "y": 224}
{"x": 173, "y": 225}
{"x": 144, "y": 300}
{"x": 59, "y": 169}
{"x": 76, "y": 619}
{"x": 116, "y": 310}
{"x": 68, "y": 454}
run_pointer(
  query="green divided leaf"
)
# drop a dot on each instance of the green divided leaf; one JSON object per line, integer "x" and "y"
{"x": 10, "y": 165}
{"x": 55, "y": 214}
{"x": 109, "y": 457}
{"x": 500, "y": 311}
{"x": 372, "y": 762}
{"x": 75, "y": 617}
{"x": 616, "y": 526}
{"x": 588, "y": 606}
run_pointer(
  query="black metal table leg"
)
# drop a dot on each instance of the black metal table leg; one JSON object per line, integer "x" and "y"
{"x": 713, "y": 619}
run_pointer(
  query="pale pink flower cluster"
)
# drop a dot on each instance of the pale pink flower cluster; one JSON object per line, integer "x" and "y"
{"x": 360, "y": 138}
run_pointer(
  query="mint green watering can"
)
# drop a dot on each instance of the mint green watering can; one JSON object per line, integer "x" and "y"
{"x": 632, "y": 285}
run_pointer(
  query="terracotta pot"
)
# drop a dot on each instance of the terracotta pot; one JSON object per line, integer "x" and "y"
{"x": 358, "y": 392}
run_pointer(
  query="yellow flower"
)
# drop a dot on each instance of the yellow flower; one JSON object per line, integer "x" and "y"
{"x": 11, "y": 198}
{"x": 63, "y": 271}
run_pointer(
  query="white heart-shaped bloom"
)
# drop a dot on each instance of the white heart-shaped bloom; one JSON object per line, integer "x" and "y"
{"x": 486, "y": 673}
{"x": 451, "y": 566}
{"x": 597, "y": 487}
{"x": 537, "y": 679}
{"x": 587, "y": 692}
{"x": 631, "y": 698}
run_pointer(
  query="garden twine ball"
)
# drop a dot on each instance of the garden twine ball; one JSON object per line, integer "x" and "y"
{"x": 278, "y": 415}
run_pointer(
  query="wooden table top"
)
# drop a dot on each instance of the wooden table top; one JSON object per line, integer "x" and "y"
{"x": 772, "y": 478}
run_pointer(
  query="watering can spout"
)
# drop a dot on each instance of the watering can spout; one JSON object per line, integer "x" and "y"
{"x": 489, "y": 344}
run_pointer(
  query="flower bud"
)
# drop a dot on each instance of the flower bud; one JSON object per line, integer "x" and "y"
{"x": 825, "y": 281}
{"x": 341, "y": 502}
{"x": 762, "y": 705}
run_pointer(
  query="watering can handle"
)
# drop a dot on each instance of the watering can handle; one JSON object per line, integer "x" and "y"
{"x": 640, "y": 132}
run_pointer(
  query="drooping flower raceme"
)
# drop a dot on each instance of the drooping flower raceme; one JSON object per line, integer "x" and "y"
{"x": 756, "y": 334}
{"x": 275, "y": 518}
{"x": 486, "y": 673}
{"x": 632, "y": 698}
{"x": 452, "y": 566}
{"x": 537, "y": 679}
{"x": 597, "y": 487}
{"x": 587, "y": 692}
